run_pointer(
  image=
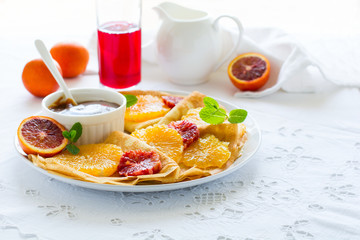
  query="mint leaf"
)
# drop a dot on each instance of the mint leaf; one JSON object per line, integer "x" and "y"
{"x": 237, "y": 115}
{"x": 213, "y": 115}
{"x": 72, "y": 149}
{"x": 73, "y": 135}
{"x": 77, "y": 127}
{"x": 66, "y": 134}
{"x": 210, "y": 102}
{"x": 130, "y": 100}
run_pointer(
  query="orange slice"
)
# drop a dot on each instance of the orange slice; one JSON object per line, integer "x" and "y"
{"x": 249, "y": 71}
{"x": 99, "y": 160}
{"x": 147, "y": 107}
{"x": 41, "y": 135}
{"x": 163, "y": 138}
{"x": 207, "y": 152}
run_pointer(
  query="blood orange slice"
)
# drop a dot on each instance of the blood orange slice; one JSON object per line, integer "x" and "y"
{"x": 41, "y": 135}
{"x": 138, "y": 162}
{"x": 188, "y": 131}
{"x": 171, "y": 101}
{"x": 249, "y": 71}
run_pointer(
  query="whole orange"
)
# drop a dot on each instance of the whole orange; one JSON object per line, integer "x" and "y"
{"x": 72, "y": 57}
{"x": 37, "y": 78}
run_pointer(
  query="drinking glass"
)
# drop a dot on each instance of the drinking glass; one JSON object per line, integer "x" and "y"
{"x": 119, "y": 42}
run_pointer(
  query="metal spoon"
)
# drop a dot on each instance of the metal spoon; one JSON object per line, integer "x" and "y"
{"x": 45, "y": 55}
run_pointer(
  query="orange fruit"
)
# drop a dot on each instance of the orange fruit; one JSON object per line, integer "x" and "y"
{"x": 249, "y": 71}
{"x": 41, "y": 135}
{"x": 37, "y": 78}
{"x": 72, "y": 57}
{"x": 146, "y": 108}
{"x": 166, "y": 140}
{"x": 100, "y": 160}
{"x": 207, "y": 152}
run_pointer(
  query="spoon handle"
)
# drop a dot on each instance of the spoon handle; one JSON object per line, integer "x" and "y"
{"x": 45, "y": 55}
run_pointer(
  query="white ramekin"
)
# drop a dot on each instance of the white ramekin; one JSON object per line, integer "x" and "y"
{"x": 96, "y": 128}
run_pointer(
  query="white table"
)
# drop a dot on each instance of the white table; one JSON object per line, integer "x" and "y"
{"x": 303, "y": 183}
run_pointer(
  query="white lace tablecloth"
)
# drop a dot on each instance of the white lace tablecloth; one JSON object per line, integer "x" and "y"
{"x": 302, "y": 184}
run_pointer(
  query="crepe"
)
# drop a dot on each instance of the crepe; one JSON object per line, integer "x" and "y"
{"x": 170, "y": 169}
{"x": 168, "y": 173}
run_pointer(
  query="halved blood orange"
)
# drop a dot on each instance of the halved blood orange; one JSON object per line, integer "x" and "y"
{"x": 249, "y": 71}
{"x": 41, "y": 135}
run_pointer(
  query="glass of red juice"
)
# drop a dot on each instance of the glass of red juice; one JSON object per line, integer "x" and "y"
{"x": 119, "y": 42}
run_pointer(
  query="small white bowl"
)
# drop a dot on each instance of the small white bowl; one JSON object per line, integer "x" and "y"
{"x": 96, "y": 128}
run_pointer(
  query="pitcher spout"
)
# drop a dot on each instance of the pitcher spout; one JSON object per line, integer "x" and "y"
{"x": 174, "y": 12}
{"x": 161, "y": 10}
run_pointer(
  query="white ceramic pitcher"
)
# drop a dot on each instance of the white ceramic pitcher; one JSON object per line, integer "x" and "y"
{"x": 189, "y": 44}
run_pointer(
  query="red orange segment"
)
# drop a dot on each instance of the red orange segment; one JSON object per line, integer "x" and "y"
{"x": 171, "y": 101}
{"x": 188, "y": 131}
{"x": 139, "y": 162}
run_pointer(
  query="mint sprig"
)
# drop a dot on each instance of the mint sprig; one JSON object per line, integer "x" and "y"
{"x": 130, "y": 100}
{"x": 73, "y": 135}
{"x": 213, "y": 114}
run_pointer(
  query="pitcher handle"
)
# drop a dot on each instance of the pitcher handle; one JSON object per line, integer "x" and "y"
{"x": 241, "y": 31}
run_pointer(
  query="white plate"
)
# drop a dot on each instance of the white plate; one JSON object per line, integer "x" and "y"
{"x": 249, "y": 149}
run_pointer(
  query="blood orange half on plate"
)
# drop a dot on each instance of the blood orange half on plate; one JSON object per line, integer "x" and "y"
{"x": 41, "y": 135}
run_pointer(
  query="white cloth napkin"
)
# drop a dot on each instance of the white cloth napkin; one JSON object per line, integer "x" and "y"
{"x": 292, "y": 68}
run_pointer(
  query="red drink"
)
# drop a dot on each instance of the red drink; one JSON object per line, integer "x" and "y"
{"x": 119, "y": 51}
